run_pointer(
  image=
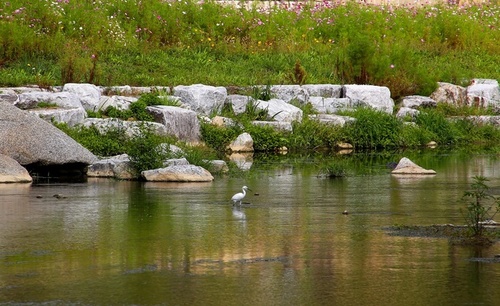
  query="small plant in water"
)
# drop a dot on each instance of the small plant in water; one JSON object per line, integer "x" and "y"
{"x": 482, "y": 208}
{"x": 333, "y": 169}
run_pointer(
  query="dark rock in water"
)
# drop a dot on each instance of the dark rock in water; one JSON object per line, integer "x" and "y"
{"x": 392, "y": 165}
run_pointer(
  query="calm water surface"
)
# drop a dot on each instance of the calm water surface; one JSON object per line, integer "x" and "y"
{"x": 110, "y": 242}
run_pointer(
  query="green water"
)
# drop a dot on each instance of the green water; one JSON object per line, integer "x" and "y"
{"x": 110, "y": 242}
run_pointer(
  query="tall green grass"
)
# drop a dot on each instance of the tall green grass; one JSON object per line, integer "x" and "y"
{"x": 407, "y": 48}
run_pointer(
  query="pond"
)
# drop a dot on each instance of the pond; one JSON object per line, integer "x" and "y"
{"x": 105, "y": 242}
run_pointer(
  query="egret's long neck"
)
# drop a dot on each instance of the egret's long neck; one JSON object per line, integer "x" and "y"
{"x": 244, "y": 191}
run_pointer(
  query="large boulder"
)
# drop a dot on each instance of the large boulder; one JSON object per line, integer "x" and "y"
{"x": 238, "y": 103}
{"x": 71, "y": 116}
{"x": 279, "y": 110}
{"x": 406, "y": 166}
{"x": 290, "y": 93}
{"x": 242, "y": 143}
{"x": 35, "y": 143}
{"x": 89, "y": 94}
{"x": 323, "y": 90}
{"x": 483, "y": 93}
{"x": 12, "y": 172}
{"x": 376, "y": 97}
{"x": 332, "y": 119}
{"x": 201, "y": 98}
{"x": 179, "y": 122}
{"x": 330, "y": 105}
{"x": 131, "y": 128}
{"x": 180, "y": 173}
{"x": 450, "y": 94}
{"x": 118, "y": 167}
{"x": 118, "y": 102}
{"x": 29, "y": 100}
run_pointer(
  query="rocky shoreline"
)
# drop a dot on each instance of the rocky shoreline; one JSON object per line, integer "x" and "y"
{"x": 30, "y": 143}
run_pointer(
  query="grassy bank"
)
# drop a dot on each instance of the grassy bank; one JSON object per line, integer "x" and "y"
{"x": 407, "y": 48}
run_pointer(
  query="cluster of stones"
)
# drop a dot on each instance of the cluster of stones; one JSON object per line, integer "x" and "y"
{"x": 28, "y": 139}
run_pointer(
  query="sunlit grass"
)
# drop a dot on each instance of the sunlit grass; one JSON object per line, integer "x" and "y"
{"x": 407, "y": 48}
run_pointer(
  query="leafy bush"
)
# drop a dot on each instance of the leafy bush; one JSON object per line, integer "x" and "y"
{"x": 217, "y": 137}
{"x": 266, "y": 138}
{"x": 113, "y": 142}
{"x": 373, "y": 129}
{"x": 145, "y": 151}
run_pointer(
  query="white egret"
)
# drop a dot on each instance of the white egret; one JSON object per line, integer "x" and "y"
{"x": 240, "y": 195}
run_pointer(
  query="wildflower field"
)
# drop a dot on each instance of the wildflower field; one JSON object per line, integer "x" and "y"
{"x": 407, "y": 48}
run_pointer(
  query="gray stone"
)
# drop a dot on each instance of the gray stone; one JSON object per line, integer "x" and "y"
{"x": 277, "y": 125}
{"x": 201, "y": 98}
{"x": 72, "y": 116}
{"x": 179, "y": 122}
{"x": 376, "y": 97}
{"x": 483, "y": 93}
{"x": 242, "y": 143}
{"x": 417, "y": 101}
{"x": 118, "y": 167}
{"x": 332, "y": 119}
{"x": 449, "y": 93}
{"x": 176, "y": 162}
{"x": 12, "y": 172}
{"x": 181, "y": 173}
{"x": 118, "y": 102}
{"x": 406, "y": 112}
{"x": 89, "y": 94}
{"x": 330, "y": 105}
{"x": 279, "y": 110}
{"x": 131, "y": 128}
{"x": 30, "y": 140}
{"x": 239, "y": 103}
{"x": 290, "y": 93}
{"x": 31, "y": 100}
{"x": 323, "y": 90}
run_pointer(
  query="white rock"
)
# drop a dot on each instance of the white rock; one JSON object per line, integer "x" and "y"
{"x": 89, "y": 94}
{"x": 323, "y": 90}
{"x": 202, "y": 98}
{"x": 289, "y": 93}
{"x": 31, "y": 100}
{"x": 406, "y": 166}
{"x": 179, "y": 122}
{"x": 181, "y": 173}
{"x": 242, "y": 143}
{"x": 12, "y": 172}
{"x": 72, "y": 116}
{"x": 279, "y": 110}
{"x": 118, "y": 102}
{"x": 277, "y": 125}
{"x": 118, "y": 167}
{"x": 483, "y": 93}
{"x": 449, "y": 93}
{"x": 376, "y": 97}
{"x": 330, "y": 105}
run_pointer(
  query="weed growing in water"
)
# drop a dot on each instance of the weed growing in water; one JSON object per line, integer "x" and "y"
{"x": 483, "y": 207}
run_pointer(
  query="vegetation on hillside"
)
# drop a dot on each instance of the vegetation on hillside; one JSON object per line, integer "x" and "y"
{"x": 407, "y": 48}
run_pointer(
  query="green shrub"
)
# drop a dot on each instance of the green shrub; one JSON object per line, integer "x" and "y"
{"x": 113, "y": 142}
{"x": 373, "y": 129}
{"x": 217, "y": 137}
{"x": 266, "y": 138}
{"x": 145, "y": 151}
{"x": 443, "y": 130}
